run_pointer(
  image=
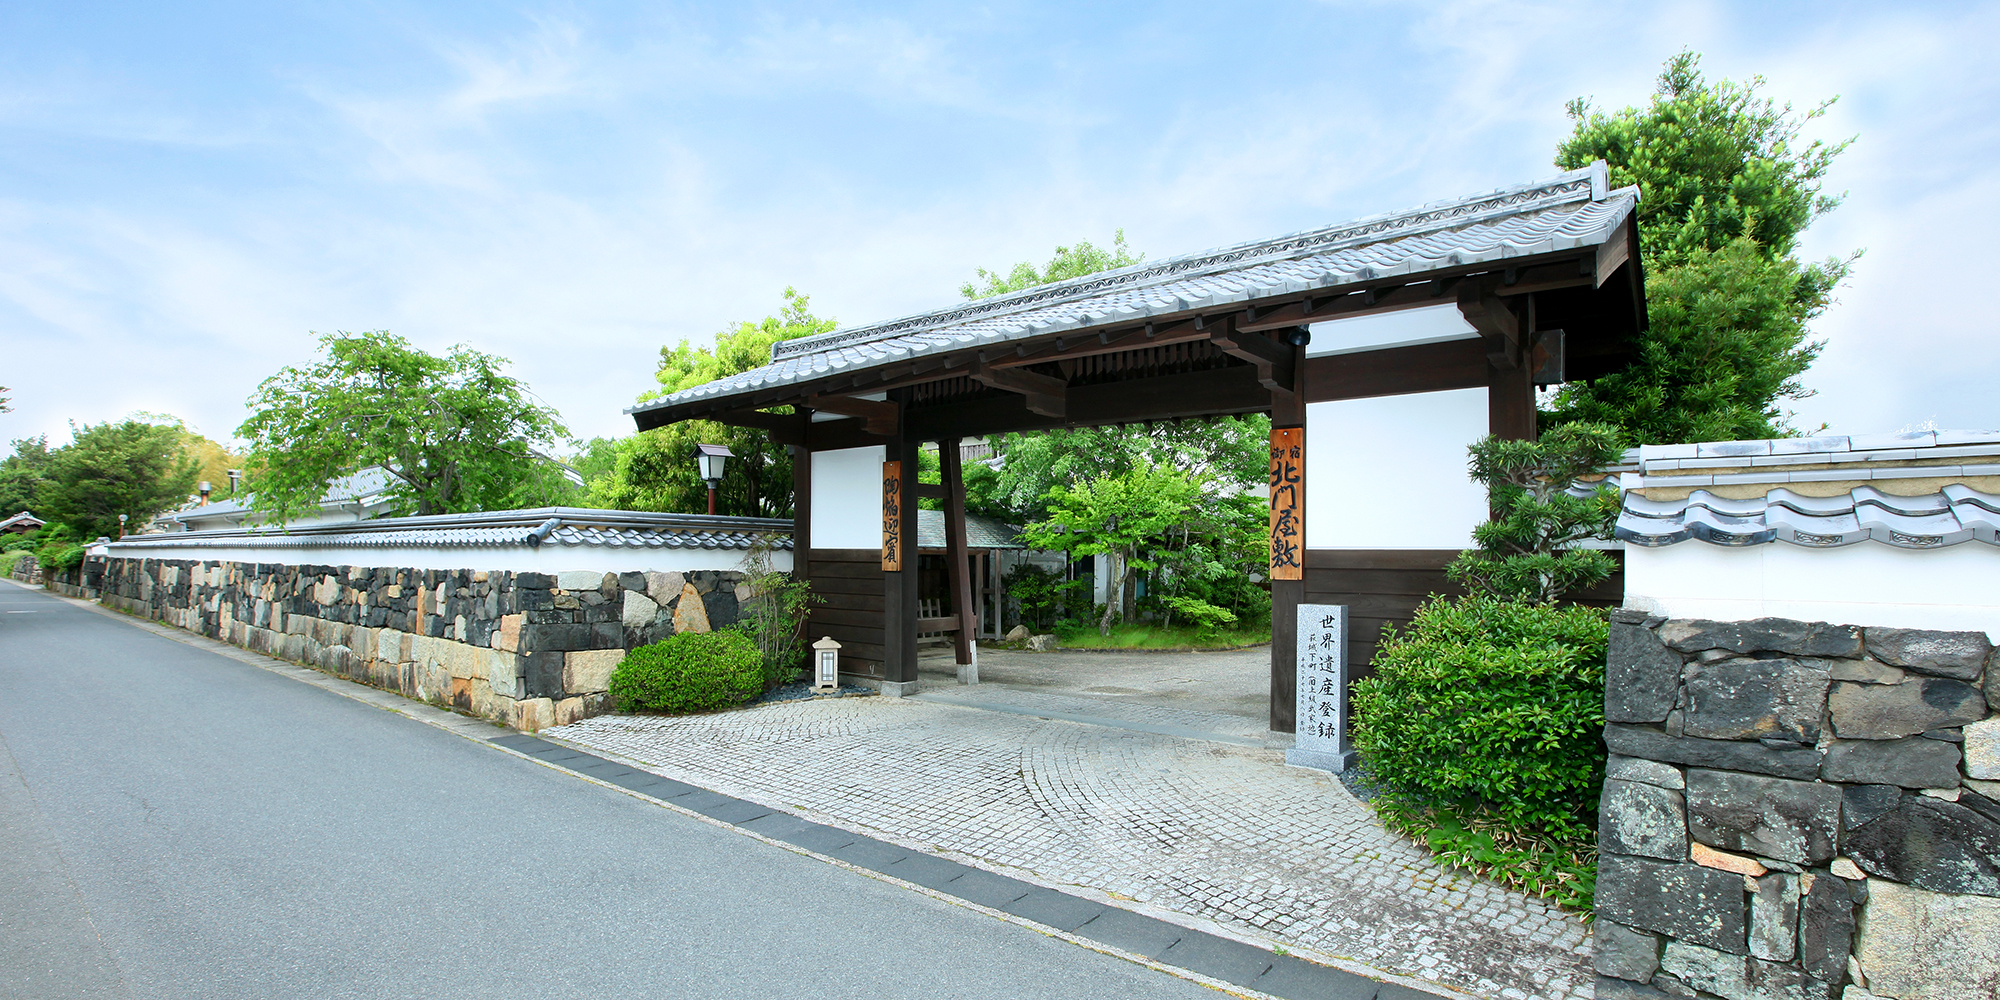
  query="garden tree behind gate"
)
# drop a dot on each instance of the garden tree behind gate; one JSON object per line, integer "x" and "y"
{"x": 654, "y": 470}
{"x": 453, "y": 432}
{"x": 1726, "y": 191}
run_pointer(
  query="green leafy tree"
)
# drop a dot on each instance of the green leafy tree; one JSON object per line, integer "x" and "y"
{"x": 21, "y": 473}
{"x": 655, "y": 470}
{"x": 132, "y": 468}
{"x": 1069, "y": 262}
{"x": 212, "y": 459}
{"x": 1528, "y": 552}
{"x": 454, "y": 432}
{"x": 1118, "y": 517}
{"x": 1726, "y": 188}
{"x": 1232, "y": 450}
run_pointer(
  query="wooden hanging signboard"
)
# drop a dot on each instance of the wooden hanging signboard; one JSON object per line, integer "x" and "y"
{"x": 1288, "y": 534}
{"x": 892, "y": 517}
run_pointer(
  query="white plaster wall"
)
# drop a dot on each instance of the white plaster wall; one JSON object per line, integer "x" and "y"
{"x": 546, "y": 559}
{"x": 1429, "y": 325}
{"x": 847, "y": 498}
{"x": 1955, "y": 588}
{"x": 1390, "y": 472}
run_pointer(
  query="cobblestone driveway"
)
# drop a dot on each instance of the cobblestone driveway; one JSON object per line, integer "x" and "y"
{"x": 1222, "y": 832}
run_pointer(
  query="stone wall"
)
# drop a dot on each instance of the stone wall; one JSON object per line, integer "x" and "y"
{"x": 524, "y": 649}
{"x": 1799, "y": 811}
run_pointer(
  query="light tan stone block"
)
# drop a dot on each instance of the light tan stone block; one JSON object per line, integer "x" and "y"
{"x": 569, "y": 710}
{"x": 589, "y": 670}
{"x": 530, "y": 714}
{"x": 462, "y": 660}
{"x": 664, "y": 587}
{"x": 1917, "y": 945}
{"x": 638, "y": 611}
{"x": 508, "y": 635}
{"x": 1709, "y": 857}
{"x": 1982, "y": 749}
{"x": 326, "y": 591}
{"x": 689, "y": 614}
{"x": 503, "y": 671}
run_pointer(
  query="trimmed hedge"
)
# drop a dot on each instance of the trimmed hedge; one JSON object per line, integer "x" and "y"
{"x": 689, "y": 672}
{"x": 1491, "y": 705}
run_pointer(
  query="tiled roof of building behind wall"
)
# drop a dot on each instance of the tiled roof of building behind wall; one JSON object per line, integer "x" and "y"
{"x": 566, "y": 526}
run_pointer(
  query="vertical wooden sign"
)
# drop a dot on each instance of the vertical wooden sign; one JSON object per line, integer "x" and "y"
{"x": 1288, "y": 465}
{"x": 892, "y": 516}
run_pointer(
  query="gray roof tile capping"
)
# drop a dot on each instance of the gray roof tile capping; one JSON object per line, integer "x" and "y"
{"x": 567, "y": 526}
{"x": 980, "y": 532}
{"x": 1571, "y": 210}
{"x": 1958, "y": 513}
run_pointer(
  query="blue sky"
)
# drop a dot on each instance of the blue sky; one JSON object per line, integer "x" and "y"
{"x": 186, "y": 192}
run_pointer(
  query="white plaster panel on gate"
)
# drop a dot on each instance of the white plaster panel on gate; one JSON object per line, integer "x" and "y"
{"x": 847, "y": 498}
{"x": 1864, "y": 584}
{"x": 1390, "y": 472}
{"x": 1407, "y": 328}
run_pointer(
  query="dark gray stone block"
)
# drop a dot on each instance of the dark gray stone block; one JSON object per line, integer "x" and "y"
{"x": 1771, "y": 979}
{"x": 1744, "y": 699}
{"x": 1960, "y": 655}
{"x": 1764, "y": 635}
{"x": 1132, "y": 932}
{"x": 1861, "y": 804}
{"x": 1931, "y": 844}
{"x": 1826, "y": 927}
{"x": 721, "y": 607}
{"x": 1797, "y": 821}
{"x": 1645, "y": 820}
{"x": 1295, "y": 978}
{"x": 1774, "y": 918}
{"x": 1641, "y": 676}
{"x": 1992, "y": 689}
{"x": 1695, "y": 904}
{"x": 632, "y": 581}
{"x": 1912, "y": 762}
{"x": 1219, "y": 958}
{"x": 1609, "y": 988}
{"x": 540, "y": 638}
{"x": 1624, "y": 953}
{"x": 1651, "y": 744}
{"x": 1647, "y": 772}
{"x": 1893, "y": 711}
{"x": 1059, "y": 910}
{"x": 987, "y": 889}
{"x": 1628, "y": 616}
{"x": 541, "y": 674}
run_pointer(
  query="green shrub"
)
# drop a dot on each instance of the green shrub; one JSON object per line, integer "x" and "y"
{"x": 8, "y": 557}
{"x": 1493, "y": 707}
{"x": 689, "y": 672}
{"x": 1207, "y": 618}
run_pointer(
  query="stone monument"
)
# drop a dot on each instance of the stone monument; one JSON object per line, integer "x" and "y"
{"x": 1321, "y": 708}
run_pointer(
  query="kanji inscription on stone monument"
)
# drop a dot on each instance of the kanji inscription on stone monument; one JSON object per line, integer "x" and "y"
{"x": 892, "y": 516}
{"x": 1321, "y": 737}
{"x": 1288, "y": 463}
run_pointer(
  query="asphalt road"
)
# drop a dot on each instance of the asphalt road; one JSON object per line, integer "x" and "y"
{"x": 174, "y": 823}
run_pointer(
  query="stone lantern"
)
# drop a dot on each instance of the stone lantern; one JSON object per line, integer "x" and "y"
{"x": 826, "y": 665}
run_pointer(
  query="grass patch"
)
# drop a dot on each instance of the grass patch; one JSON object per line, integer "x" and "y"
{"x": 1477, "y": 841}
{"x": 7, "y": 561}
{"x": 1139, "y": 635}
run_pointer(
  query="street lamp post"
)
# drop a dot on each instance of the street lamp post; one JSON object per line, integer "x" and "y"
{"x": 711, "y": 459}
